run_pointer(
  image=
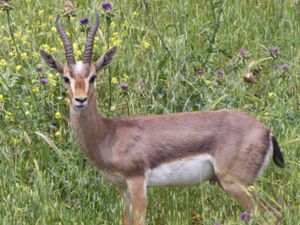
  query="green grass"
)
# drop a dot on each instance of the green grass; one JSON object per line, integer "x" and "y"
{"x": 45, "y": 179}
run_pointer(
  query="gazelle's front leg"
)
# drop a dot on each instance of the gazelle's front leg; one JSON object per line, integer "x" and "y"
{"x": 125, "y": 204}
{"x": 138, "y": 198}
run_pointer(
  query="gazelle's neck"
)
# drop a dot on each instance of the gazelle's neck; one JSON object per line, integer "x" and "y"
{"x": 88, "y": 127}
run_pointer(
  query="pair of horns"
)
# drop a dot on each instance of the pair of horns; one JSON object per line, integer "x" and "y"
{"x": 88, "y": 50}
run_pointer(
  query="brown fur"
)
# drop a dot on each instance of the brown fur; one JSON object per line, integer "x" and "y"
{"x": 125, "y": 148}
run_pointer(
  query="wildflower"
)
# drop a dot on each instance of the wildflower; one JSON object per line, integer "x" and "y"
{"x": 9, "y": 117}
{"x": 200, "y": 72}
{"x": 271, "y": 94}
{"x": 145, "y": 44}
{"x": 277, "y": 67}
{"x": 114, "y": 80}
{"x": 17, "y": 34}
{"x": 18, "y": 67}
{"x": 107, "y": 6}
{"x": 219, "y": 73}
{"x": 58, "y": 116}
{"x": 3, "y": 63}
{"x": 273, "y": 50}
{"x": 250, "y": 188}
{"x": 113, "y": 24}
{"x": 244, "y": 52}
{"x": 41, "y": 12}
{"x": 53, "y": 50}
{"x": 84, "y": 21}
{"x": 52, "y": 82}
{"x": 126, "y": 77}
{"x": 280, "y": 202}
{"x": 207, "y": 82}
{"x": 285, "y": 67}
{"x": 44, "y": 80}
{"x": 53, "y": 29}
{"x": 24, "y": 56}
{"x": 124, "y": 86}
{"x": 68, "y": 6}
{"x": 36, "y": 89}
{"x": 1, "y": 99}
{"x": 135, "y": 14}
{"x": 245, "y": 216}
{"x": 57, "y": 134}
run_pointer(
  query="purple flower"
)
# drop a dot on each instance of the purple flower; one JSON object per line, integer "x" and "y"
{"x": 124, "y": 86}
{"x": 273, "y": 50}
{"x": 285, "y": 67}
{"x": 200, "y": 72}
{"x": 38, "y": 69}
{"x": 107, "y": 6}
{"x": 244, "y": 52}
{"x": 44, "y": 80}
{"x": 219, "y": 73}
{"x": 245, "y": 216}
{"x": 84, "y": 21}
{"x": 280, "y": 202}
{"x": 277, "y": 67}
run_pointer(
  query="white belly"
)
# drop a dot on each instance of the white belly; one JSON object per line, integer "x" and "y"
{"x": 182, "y": 172}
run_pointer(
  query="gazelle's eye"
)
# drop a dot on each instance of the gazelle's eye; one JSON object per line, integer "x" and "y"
{"x": 92, "y": 79}
{"x": 67, "y": 80}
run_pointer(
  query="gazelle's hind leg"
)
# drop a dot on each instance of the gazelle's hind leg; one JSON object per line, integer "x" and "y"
{"x": 249, "y": 200}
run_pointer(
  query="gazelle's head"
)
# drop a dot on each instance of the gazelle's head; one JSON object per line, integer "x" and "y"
{"x": 79, "y": 76}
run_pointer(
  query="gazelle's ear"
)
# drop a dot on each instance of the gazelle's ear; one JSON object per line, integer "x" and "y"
{"x": 49, "y": 60}
{"x": 105, "y": 59}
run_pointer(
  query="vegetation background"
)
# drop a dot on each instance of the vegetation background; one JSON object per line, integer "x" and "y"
{"x": 173, "y": 56}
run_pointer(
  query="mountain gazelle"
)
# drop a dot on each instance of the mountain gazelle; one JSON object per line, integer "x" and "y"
{"x": 178, "y": 149}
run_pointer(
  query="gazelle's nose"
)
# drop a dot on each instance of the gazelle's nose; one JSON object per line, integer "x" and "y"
{"x": 81, "y": 99}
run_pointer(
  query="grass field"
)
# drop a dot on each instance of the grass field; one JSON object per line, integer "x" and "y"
{"x": 174, "y": 56}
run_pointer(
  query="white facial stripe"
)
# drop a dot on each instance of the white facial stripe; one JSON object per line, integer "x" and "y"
{"x": 78, "y": 68}
{"x": 72, "y": 85}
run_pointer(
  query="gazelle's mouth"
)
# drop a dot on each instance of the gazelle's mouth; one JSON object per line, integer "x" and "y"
{"x": 78, "y": 105}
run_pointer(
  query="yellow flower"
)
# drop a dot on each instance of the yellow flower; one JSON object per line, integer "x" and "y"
{"x": 114, "y": 80}
{"x": 24, "y": 56}
{"x": 36, "y": 89}
{"x": 126, "y": 77}
{"x": 145, "y": 44}
{"x": 3, "y": 63}
{"x": 1, "y": 98}
{"x": 271, "y": 95}
{"x": 36, "y": 55}
{"x": 135, "y": 14}
{"x": 17, "y": 34}
{"x": 58, "y": 116}
{"x": 113, "y": 24}
{"x": 126, "y": 24}
{"x": 18, "y": 67}
{"x": 53, "y": 50}
{"x": 41, "y": 12}
{"x": 207, "y": 82}
{"x": 53, "y": 29}
{"x": 9, "y": 117}
{"x": 52, "y": 82}
{"x": 251, "y": 188}
{"x": 14, "y": 141}
{"x": 57, "y": 134}
{"x": 45, "y": 47}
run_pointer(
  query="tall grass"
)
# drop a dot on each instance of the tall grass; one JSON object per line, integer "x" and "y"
{"x": 163, "y": 45}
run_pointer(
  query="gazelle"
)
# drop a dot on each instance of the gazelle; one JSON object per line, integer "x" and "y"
{"x": 179, "y": 149}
